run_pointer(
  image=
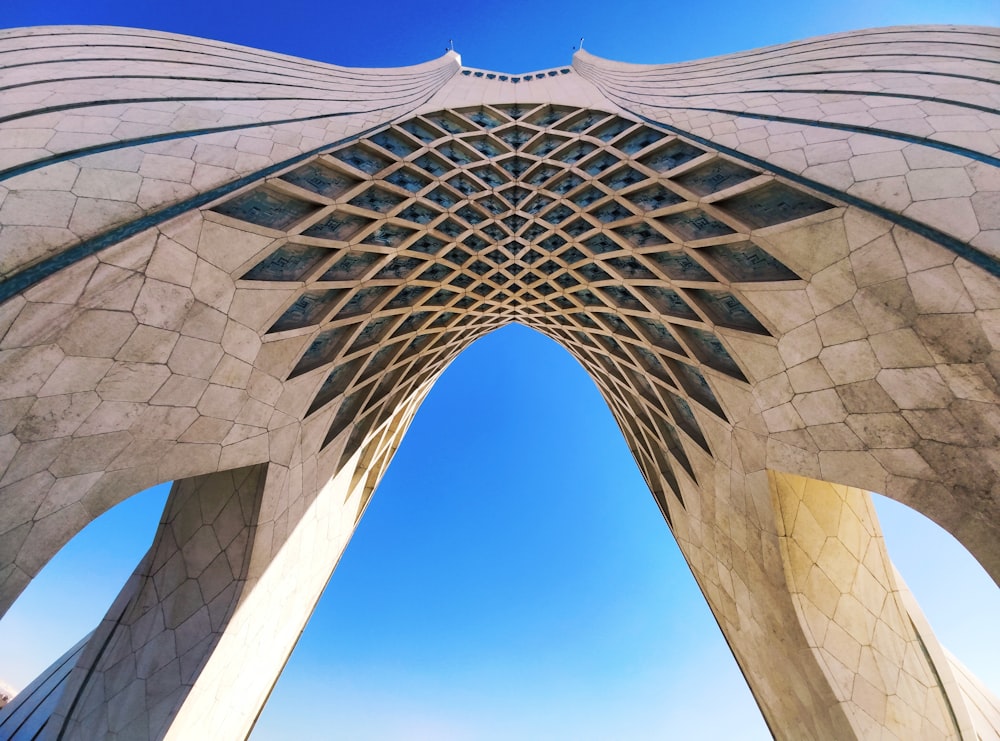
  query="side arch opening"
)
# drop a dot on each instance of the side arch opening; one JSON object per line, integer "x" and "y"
{"x": 72, "y": 593}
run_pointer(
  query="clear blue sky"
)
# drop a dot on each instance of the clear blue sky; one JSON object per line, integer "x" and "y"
{"x": 512, "y": 578}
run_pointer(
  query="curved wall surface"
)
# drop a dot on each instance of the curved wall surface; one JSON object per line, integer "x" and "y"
{"x": 242, "y": 272}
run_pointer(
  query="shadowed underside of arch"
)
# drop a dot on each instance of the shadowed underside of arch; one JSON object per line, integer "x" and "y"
{"x": 245, "y": 274}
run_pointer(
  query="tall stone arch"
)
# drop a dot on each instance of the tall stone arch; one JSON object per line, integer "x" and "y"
{"x": 244, "y": 272}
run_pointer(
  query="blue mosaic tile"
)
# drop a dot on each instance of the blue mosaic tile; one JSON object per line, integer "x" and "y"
{"x": 516, "y": 166}
{"x": 427, "y": 245}
{"x": 578, "y": 227}
{"x": 668, "y": 302}
{"x": 457, "y": 153}
{"x": 670, "y": 155}
{"x": 549, "y": 115}
{"x": 322, "y": 350}
{"x": 436, "y": 273}
{"x": 449, "y": 123}
{"x": 630, "y": 267}
{"x": 413, "y": 322}
{"x": 638, "y": 140}
{"x": 566, "y": 281}
{"x": 515, "y": 137}
{"x": 377, "y": 199}
{"x": 641, "y": 235}
{"x": 611, "y": 129}
{"x": 395, "y": 143}
{"x": 659, "y": 335}
{"x": 407, "y": 296}
{"x": 536, "y": 204}
{"x": 712, "y": 352}
{"x": 465, "y": 185}
{"x": 363, "y": 301}
{"x": 652, "y": 365}
{"x": 572, "y": 256}
{"x": 581, "y": 123}
{"x": 694, "y": 224}
{"x": 421, "y": 130}
{"x": 576, "y": 151}
{"x": 372, "y": 333}
{"x": 480, "y": 268}
{"x": 309, "y": 308}
{"x": 654, "y": 197}
{"x": 418, "y": 214}
{"x": 516, "y": 195}
{"x": 717, "y": 175}
{"x": 598, "y": 164}
{"x": 601, "y": 244}
{"x": 545, "y": 145}
{"x": 492, "y": 204}
{"x": 622, "y": 298}
{"x": 617, "y": 325}
{"x": 586, "y": 196}
{"x": 622, "y": 177}
{"x": 548, "y": 267}
{"x": 451, "y": 228}
{"x": 612, "y": 211}
{"x": 514, "y": 223}
{"x": 514, "y": 111}
{"x": 346, "y": 415}
{"x": 726, "y": 310}
{"x": 678, "y": 265}
{"x": 339, "y": 226}
{"x": 483, "y": 118}
{"x": 697, "y": 387}
{"x": 335, "y": 384}
{"x": 362, "y": 159}
{"x": 388, "y": 235}
{"x": 746, "y": 262}
{"x": 774, "y": 203}
{"x": 487, "y": 146}
{"x": 399, "y": 268}
{"x": 289, "y": 262}
{"x": 268, "y": 208}
{"x": 541, "y": 174}
{"x": 442, "y": 319}
{"x": 320, "y": 179}
{"x": 352, "y": 266}
{"x": 558, "y": 214}
{"x": 462, "y": 281}
{"x": 669, "y": 436}
{"x": 443, "y": 197}
{"x": 433, "y": 164}
{"x": 565, "y": 184}
{"x": 494, "y": 232}
{"x": 407, "y": 179}
{"x": 490, "y": 175}
{"x": 471, "y": 215}
{"x": 441, "y": 297}
{"x": 475, "y": 243}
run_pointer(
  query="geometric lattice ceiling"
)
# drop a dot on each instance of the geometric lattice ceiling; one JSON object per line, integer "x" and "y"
{"x": 625, "y": 244}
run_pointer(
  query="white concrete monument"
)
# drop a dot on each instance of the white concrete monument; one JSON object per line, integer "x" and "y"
{"x": 242, "y": 272}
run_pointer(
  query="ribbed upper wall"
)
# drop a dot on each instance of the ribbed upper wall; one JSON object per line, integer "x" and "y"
{"x": 904, "y": 121}
{"x": 103, "y": 127}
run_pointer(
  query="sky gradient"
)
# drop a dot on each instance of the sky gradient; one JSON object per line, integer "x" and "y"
{"x": 512, "y": 578}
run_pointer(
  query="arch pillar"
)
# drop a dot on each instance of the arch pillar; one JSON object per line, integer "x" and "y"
{"x": 859, "y": 619}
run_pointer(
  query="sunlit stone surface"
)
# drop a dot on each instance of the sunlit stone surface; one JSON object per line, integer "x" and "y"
{"x": 242, "y": 272}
